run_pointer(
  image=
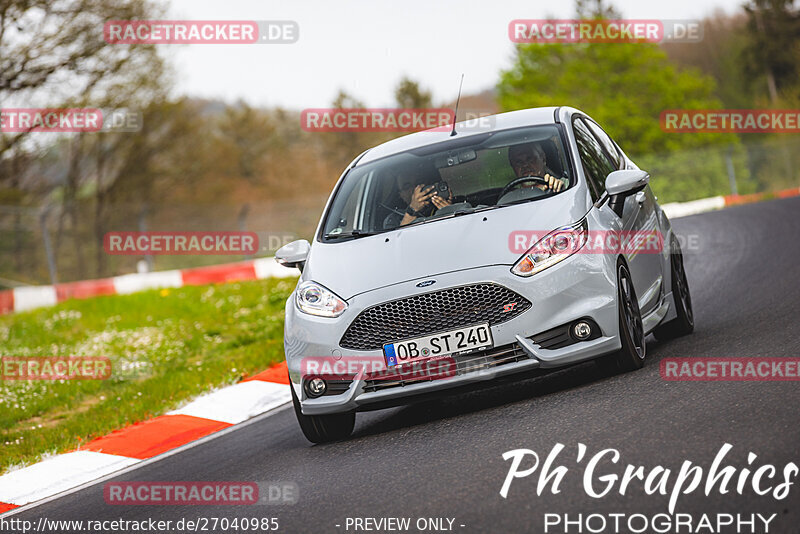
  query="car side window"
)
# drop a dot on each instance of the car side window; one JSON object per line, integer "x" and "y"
{"x": 605, "y": 140}
{"x": 596, "y": 164}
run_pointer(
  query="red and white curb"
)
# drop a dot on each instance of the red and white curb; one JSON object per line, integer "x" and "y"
{"x": 125, "y": 448}
{"x": 30, "y": 297}
{"x": 675, "y": 210}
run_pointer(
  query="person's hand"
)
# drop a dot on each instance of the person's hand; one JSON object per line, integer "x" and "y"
{"x": 421, "y": 197}
{"x": 553, "y": 184}
{"x": 440, "y": 202}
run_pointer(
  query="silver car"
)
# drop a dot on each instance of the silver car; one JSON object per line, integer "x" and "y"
{"x": 446, "y": 259}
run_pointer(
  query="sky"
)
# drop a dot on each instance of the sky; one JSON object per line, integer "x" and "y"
{"x": 365, "y": 47}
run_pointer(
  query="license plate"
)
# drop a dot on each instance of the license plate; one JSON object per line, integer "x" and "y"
{"x": 441, "y": 344}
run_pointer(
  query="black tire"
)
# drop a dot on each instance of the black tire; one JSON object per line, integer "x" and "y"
{"x": 323, "y": 428}
{"x": 683, "y": 324}
{"x": 631, "y": 330}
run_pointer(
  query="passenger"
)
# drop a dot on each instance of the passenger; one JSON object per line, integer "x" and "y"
{"x": 416, "y": 197}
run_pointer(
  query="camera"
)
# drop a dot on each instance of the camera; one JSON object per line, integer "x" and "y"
{"x": 442, "y": 189}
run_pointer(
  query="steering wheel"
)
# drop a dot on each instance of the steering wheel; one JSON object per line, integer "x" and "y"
{"x": 514, "y": 183}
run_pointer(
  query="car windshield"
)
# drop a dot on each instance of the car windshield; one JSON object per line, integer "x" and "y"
{"x": 458, "y": 176}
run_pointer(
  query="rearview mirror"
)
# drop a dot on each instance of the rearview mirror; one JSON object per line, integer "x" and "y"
{"x": 626, "y": 182}
{"x": 293, "y": 254}
{"x": 620, "y": 184}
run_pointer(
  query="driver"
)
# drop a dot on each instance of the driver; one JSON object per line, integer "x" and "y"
{"x": 416, "y": 198}
{"x": 529, "y": 159}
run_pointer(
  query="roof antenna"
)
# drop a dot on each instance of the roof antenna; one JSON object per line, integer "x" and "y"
{"x": 455, "y": 113}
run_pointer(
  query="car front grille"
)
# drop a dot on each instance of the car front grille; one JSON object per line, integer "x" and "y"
{"x": 468, "y": 363}
{"x": 428, "y": 313}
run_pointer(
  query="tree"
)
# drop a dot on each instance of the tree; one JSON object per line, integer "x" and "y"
{"x": 342, "y": 147}
{"x": 595, "y": 9}
{"x": 53, "y": 52}
{"x": 719, "y": 56}
{"x": 773, "y": 54}
{"x": 409, "y": 95}
{"x": 137, "y": 171}
{"x": 624, "y": 86}
{"x": 754, "y": 56}
{"x": 249, "y": 134}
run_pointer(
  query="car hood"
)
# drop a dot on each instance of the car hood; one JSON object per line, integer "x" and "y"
{"x": 463, "y": 242}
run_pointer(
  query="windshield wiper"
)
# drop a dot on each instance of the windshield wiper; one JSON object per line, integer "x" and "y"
{"x": 465, "y": 211}
{"x": 475, "y": 209}
{"x": 524, "y": 200}
{"x": 354, "y": 234}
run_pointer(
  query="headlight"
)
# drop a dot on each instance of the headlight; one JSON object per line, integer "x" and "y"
{"x": 556, "y": 246}
{"x": 315, "y": 299}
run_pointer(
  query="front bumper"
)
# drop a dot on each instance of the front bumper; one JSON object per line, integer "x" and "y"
{"x": 582, "y": 286}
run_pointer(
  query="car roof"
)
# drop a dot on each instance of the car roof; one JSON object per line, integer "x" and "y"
{"x": 501, "y": 121}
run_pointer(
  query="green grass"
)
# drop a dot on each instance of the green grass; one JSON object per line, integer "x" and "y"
{"x": 165, "y": 346}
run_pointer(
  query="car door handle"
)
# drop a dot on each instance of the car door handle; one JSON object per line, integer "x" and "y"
{"x": 640, "y": 196}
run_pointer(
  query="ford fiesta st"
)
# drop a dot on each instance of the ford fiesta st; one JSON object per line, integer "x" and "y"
{"x": 451, "y": 258}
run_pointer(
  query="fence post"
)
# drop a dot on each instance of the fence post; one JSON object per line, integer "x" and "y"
{"x": 242, "y": 220}
{"x": 731, "y": 172}
{"x": 48, "y": 249}
{"x": 143, "y": 228}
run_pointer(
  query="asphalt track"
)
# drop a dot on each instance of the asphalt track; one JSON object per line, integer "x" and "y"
{"x": 444, "y": 458}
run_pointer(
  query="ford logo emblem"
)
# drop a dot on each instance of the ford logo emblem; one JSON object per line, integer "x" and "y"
{"x": 426, "y": 283}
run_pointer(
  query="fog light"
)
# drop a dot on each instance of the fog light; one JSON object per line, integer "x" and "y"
{"x": 582, "y": 330}
{"x": 315, "y": 387}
